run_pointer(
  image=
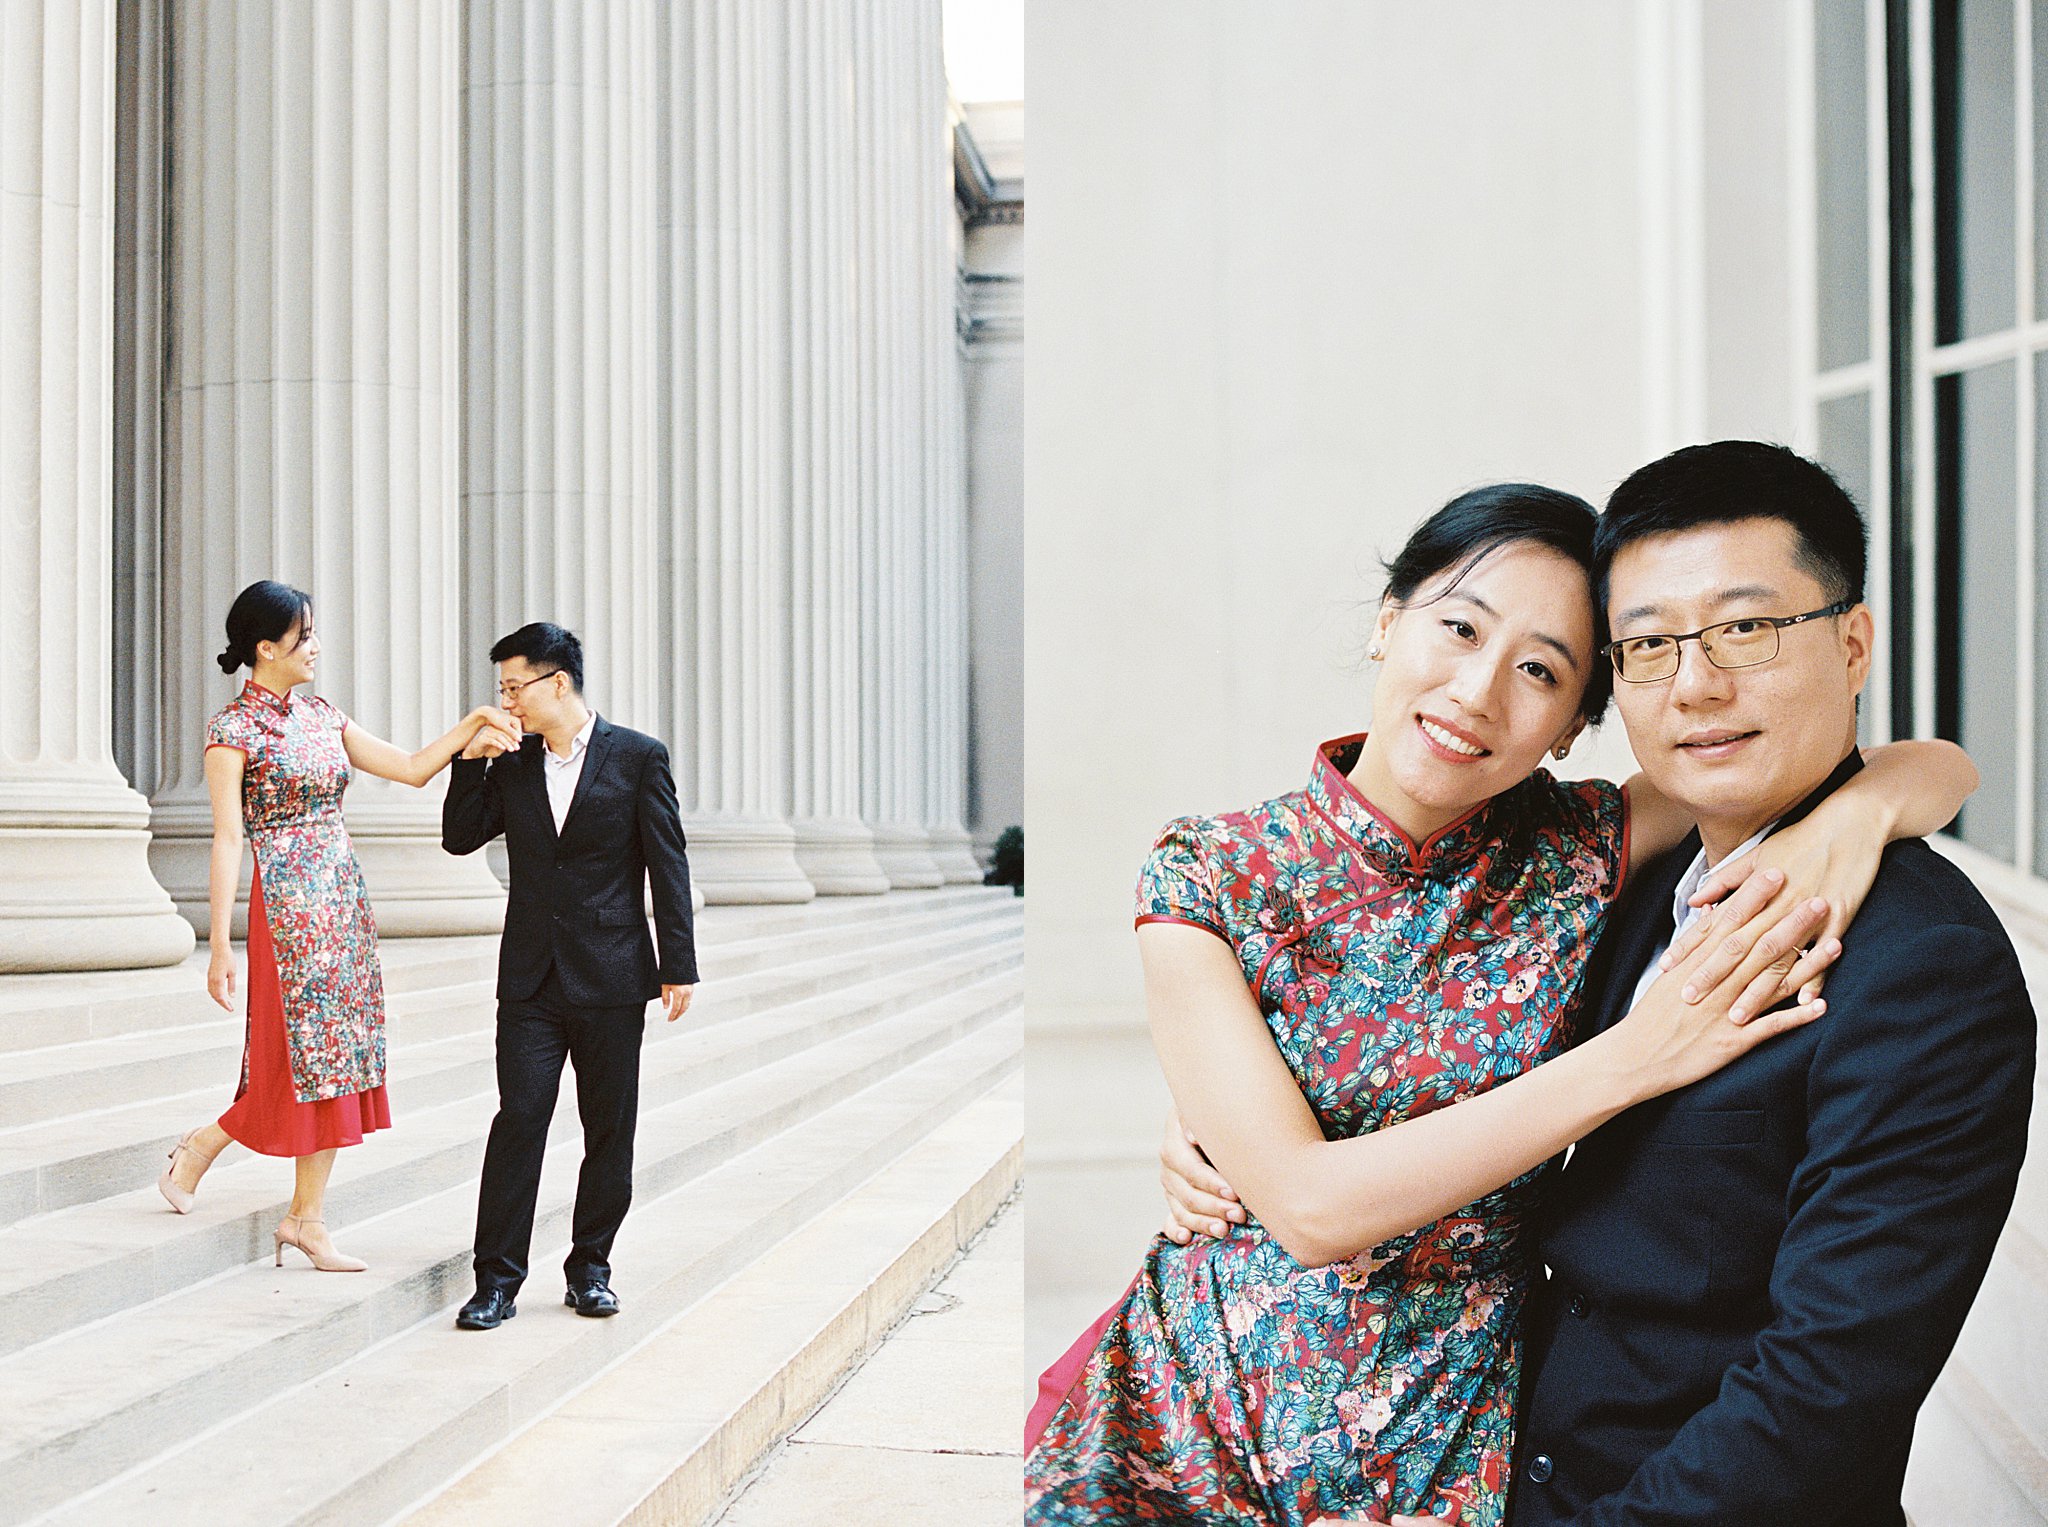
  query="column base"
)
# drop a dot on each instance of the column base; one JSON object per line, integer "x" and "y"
{"x": 905, "y": 854}
{"x": 745, "y": 861}
{"x": 837, "y": 855}
{"x": 75, "y": 888}
{"x": 83, "y": 898}
{"x": 953, "y": 852}
{"x": 181, "y": 857}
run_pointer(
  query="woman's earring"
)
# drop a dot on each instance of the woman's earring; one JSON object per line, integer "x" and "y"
{"x": 1373, "y": 652}
{"x": 1560, "y": 751}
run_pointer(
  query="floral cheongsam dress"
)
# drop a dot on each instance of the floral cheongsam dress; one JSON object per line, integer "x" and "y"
{"x": 313, "y": 1068}
{"x": 1233, "y": 1385}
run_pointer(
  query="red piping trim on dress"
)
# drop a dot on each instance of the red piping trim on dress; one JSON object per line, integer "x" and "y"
{"x": 1168, "y": 917}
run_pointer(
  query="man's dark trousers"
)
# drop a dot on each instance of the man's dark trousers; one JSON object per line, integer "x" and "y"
{"x": 534, "y": 1037}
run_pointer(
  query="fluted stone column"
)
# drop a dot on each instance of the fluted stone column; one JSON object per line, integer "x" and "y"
{"x": 722, "y": 363}
{"x": 835, "y": 848}
{"x": 945, "y": 441}
{"x": 139, "y": 124}
{"x": 311, "y": 410}
{"x": 559, "y": 484}
{"x": 892, "y": 521}
{"x": 75, "y": 885}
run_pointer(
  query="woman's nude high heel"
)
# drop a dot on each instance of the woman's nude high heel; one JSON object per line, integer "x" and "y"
{"x": 174, "y": 1195}
{"x": 324, "y": 1261}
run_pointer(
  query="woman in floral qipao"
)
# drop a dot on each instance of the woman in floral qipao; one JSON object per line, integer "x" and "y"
{"x": 276, "y": 766}
{"x": 1351, "y": 989}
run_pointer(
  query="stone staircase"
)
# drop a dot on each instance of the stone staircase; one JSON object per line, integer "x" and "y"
{"x": 839, "y": 1112}
{"x": 1980, "y": 1449}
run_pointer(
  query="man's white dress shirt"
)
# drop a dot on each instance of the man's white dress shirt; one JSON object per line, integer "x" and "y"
{"x": 564, "y": 772}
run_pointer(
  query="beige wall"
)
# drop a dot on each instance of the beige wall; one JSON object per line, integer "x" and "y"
{"x": 1301, "y": 272}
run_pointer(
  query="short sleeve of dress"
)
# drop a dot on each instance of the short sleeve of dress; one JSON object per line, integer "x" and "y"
{"x": 1590, "y": 817}
{"x": 231, "y": 728}
{"x": 1177, "y": 883}
{"x": 329, "y": 713}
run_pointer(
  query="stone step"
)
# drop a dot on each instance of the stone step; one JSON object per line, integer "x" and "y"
{"x": 730, "y": 924}
{"x": 1995, "y": 1381}
{"x": 57, "y": 1080}
{"x": 75, "y": 1265}
{"x": 52, "y": 1165}
{"x": 1962, "y": 1471}
{"x": 679, "y": 1431}
{"x": 1980, "y": 1449}
{"x": 398, "y": 1398}
{"x": 40, "y": 1010}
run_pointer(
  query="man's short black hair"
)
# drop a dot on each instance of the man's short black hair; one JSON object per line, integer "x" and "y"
{"x": 545, "y": 646}
{"x": 1730, "y": 480}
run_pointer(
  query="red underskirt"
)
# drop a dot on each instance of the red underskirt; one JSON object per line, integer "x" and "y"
{"x": 268, "y": 1117}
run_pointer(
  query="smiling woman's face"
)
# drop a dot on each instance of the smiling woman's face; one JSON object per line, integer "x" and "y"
{"x": 1481, "y": 676}
{"x": 292, "y": 658}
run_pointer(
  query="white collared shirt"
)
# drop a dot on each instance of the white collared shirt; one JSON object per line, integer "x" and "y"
{"x": 1683, "y": 916}
{"x": 562, "y": 773}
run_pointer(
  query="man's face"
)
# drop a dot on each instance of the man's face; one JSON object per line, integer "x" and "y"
{"x": 1739, "y": 746}
{"x": 535, "y": 701}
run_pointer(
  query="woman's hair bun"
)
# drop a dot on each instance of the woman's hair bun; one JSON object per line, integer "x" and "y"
{"x": 265, "y": 611}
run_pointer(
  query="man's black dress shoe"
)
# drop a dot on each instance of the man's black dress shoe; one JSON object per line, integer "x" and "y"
{"x": 592, "y": 1299}
{"x": 491, "y": 1308}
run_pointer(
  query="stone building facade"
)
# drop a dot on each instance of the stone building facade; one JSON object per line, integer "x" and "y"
{"x": 641, "y": 317}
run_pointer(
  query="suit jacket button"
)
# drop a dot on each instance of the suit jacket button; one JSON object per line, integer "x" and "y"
{"x": 1580, "y": 1307}
{"x": 1540, "y": 1468}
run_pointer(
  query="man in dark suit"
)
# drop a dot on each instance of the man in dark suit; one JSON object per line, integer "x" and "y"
{"x": 589, "y": 815}
{"x": 1756, "y": 1279}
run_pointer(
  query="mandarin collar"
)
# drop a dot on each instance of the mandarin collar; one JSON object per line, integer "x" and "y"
{"x": 1390, "y": 851}
{"x": 268, "y": 699}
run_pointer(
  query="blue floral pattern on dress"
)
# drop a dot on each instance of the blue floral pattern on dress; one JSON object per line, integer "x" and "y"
{"x": 1231, "y": 1384}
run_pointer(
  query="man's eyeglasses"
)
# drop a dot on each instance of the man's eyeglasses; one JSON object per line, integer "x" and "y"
{"x": 1731, "y": 644}
{"x": 510, "y": 692}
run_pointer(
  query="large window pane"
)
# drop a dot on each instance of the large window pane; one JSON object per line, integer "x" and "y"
{"x": 1841, "y": 183}
{"x": 1845, "y": 451}
{"x": 1977, "y": 579}
{"x": 1974, "y": 127}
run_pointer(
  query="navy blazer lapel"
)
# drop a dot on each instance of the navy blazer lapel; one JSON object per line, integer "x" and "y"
{"x": 594, "y": 753}
{"x": 1638, "y": 929}
{"x": 534, "y": 777}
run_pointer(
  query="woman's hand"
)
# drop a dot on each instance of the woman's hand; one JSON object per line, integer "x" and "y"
{"x": 220, "y": 977}
{"x": 1832, "y": 853}
{"x": 491, "y": 731}
{"x": 1904, "y": 790}
{"x": 1670, "y": 1039}
{"x": 1198, "y": 1200}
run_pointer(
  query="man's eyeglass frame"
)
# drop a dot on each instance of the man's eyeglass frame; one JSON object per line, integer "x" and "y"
{"x": 1777, "y": 623}
{"x": 508, "y": 691}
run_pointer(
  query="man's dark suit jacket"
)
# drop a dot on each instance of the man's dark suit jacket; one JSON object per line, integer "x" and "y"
{"x": 576, "y": 899}
{"x": 1757, "y": 1278}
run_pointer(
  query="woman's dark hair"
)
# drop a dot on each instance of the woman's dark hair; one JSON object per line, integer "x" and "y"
{"x": 262, "y": 612}
{"x": 1474, "y": 525}
{"x": 544, "y": 645}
